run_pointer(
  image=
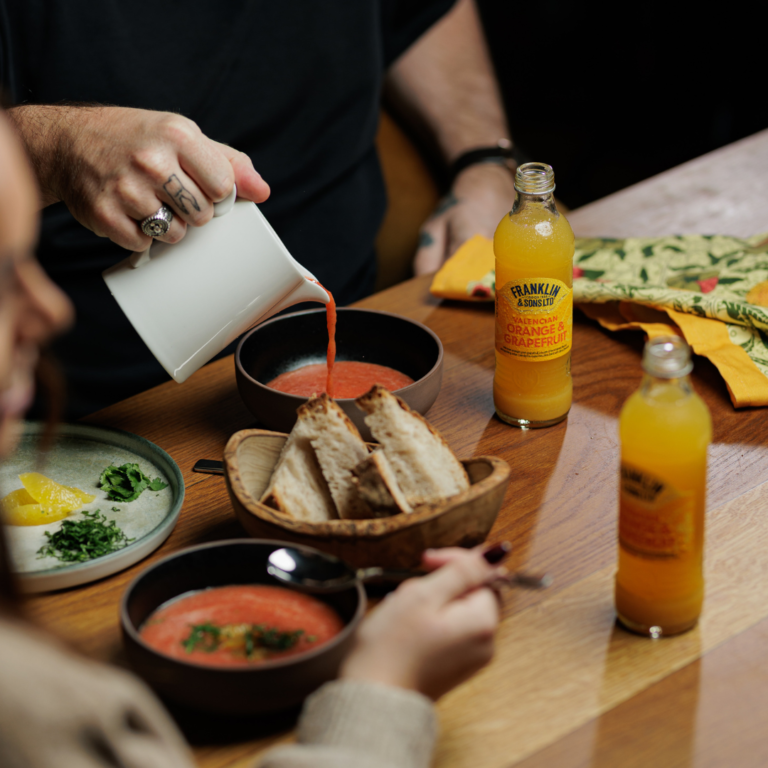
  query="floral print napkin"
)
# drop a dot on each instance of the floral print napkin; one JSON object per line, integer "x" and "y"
{"x": 712, "y": 289}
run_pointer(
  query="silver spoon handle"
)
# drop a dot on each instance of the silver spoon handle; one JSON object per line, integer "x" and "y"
{"x": 514, "y": 579}
{"x": 525, "y": 580}
{"x": 388, "y": 574}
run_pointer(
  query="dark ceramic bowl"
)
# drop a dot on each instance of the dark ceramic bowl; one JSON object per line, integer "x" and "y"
{"x": 267, "y": 687}
{"x": 301, "y": 338}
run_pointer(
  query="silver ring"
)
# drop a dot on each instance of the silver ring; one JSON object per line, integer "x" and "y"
{"x": 158, "y": 223}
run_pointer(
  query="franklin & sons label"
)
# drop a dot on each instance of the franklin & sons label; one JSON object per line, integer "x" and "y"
{"x": 655, "y": 519}
{"x": 534, "y": 319}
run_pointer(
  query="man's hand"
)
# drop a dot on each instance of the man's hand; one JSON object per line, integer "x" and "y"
{"x": 114, "y": 166}
{"x": 476, "y": 203}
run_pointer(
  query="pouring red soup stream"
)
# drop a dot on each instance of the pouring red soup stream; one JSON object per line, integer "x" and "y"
{"x": 345, "y": 378}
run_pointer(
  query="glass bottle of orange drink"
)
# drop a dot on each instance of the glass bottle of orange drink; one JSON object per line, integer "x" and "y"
{"x": 664, "y": 430}
{"x": 533, "y": 246}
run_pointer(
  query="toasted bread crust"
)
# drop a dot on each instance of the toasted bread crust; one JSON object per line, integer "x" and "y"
{"x": 325, "y": 469}
{"x": 423, "y": 463}
{"x": 378, "y": 486}
{"x": 371, "y": 400}
{"x": 297, "y": 486}
{"x": 339, "y": 448}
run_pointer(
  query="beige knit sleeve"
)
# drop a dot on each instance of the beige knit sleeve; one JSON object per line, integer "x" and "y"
{"x": 355, "y": 724}
{"x": 60, "y": 710}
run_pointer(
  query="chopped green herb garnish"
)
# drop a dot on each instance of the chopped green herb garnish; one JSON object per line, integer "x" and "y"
{"x": 203, "y": 637}
{"x": 115, "y": 509}
{"x": 81, "y": 540}
{"x": 125, "y": 483}
{"x": 274, "y": 639}
{"x": 253, "y": 641}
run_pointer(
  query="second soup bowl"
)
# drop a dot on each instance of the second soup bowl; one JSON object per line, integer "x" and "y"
{"x": 269, "y": 686}
{"x": 292, "y": 341}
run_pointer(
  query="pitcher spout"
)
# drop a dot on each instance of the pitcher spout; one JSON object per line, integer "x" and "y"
{"x": 308, "y": 290}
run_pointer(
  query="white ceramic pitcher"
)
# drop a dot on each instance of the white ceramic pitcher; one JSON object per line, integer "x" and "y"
{"x": 189, "y": 300}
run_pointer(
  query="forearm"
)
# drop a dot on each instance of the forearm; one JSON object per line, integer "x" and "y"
{"x": 445, "y": 84}
{"x": 114, "y": 166}
{"x": 43, "y": 130}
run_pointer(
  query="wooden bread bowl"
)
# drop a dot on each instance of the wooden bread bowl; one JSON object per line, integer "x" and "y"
{"x": 396, "y": 542}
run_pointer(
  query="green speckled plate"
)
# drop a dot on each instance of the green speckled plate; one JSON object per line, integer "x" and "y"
{"x": 77, "y": 459}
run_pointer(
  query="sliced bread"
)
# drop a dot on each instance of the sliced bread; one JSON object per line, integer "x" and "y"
{"x": 297, "y": 486}
{"x": 377, "y": 485}
{"x": 339, "y": 448}
{"x": 424, "y": 466}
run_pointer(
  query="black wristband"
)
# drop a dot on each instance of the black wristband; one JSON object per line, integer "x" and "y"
{"x": 504, "y": 153}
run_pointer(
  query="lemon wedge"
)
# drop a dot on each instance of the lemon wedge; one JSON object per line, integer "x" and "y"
{"x": 50, "y": 494}
{"x": 31, "y": 514}
{"x": 20, "y": 508}
{"x": 18, "y": 498}
{"x": 41, "y": 501}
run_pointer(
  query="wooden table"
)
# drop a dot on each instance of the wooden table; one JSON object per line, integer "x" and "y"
{"x": 567, "y": 687}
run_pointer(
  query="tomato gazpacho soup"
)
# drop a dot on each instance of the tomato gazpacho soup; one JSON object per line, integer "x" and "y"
{"x": 350, "y": 379}
{"x": 346, "y": 378}
{"x": 240, "y": 625}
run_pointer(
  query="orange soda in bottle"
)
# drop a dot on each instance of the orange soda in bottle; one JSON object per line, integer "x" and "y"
{"x": 533, "y": 245}
{"x": 664, "y": 430}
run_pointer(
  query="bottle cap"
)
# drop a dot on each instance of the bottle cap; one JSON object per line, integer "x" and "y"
{"x": 534, "y": 179}
{"x": 667, "y": 357}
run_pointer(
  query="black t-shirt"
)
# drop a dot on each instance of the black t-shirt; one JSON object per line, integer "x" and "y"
{"x": 294, "y": 83}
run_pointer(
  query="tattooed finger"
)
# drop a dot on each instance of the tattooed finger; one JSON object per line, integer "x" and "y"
{"x": 447, "y": 202}
{"x": 425, "y": 239}
{"x": 180, "y": 194}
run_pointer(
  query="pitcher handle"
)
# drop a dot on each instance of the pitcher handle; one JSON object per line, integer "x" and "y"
{"x": 139, "y": 258}
{"x": 225, "y": 206}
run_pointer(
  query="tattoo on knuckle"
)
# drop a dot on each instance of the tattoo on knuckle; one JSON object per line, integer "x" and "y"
{"x": 425, "y": 239}
{"x": 183, "y": 198}
{"x": 447, "y": 202}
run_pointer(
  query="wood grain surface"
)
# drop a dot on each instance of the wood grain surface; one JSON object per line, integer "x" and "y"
{"x": 567, "y": 687}
{"x": 721, "y": 193}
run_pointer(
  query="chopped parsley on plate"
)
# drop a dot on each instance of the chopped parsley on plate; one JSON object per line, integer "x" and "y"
{"x": 126, "y": 483}
{"x": 86, "y": 539}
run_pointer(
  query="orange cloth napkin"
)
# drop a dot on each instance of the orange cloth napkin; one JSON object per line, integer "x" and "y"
{"x": 469, "y": 275}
